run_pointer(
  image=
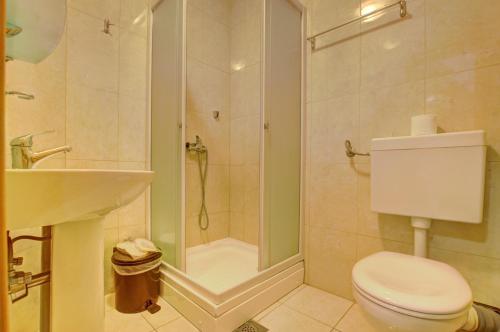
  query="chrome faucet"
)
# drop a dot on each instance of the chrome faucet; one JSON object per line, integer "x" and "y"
{"x": 24, "y": 157}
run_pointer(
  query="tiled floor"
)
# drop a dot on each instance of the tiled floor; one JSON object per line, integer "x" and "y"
{"x": 305, "y": 309}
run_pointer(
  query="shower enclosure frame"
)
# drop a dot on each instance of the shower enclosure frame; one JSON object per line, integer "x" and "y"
{"x": 303, "y": 131}
{"x": 211, "y": 311}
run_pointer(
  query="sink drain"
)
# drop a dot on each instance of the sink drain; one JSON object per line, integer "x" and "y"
{"x": 251, "y": 326}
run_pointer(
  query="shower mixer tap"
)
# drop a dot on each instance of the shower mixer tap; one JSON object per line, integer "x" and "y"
{"x": 196, "y": 146}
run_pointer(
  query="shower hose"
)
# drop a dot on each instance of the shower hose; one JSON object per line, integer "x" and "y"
{"x": 203, "y": 168}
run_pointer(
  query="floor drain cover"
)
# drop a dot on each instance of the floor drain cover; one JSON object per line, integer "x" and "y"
{"x": 251, "y": 326}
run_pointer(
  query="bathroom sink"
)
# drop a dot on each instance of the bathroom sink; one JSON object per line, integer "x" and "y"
{"x": 37, "y": 197}
{"x": 74, "y": 202}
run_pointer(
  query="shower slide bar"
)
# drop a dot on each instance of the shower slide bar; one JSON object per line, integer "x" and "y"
{"x": 402, "y": 13}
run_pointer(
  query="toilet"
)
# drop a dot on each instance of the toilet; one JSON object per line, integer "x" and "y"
{"x": 407, "y": 293}
{"x": 425, "y": 177}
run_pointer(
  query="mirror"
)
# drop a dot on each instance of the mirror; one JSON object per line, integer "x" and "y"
{"x": 34, "y": 28}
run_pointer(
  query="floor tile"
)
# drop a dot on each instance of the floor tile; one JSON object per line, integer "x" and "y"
{"x": 162, "y": 317}
{"x": 355, "y": 321}
{"x": 178, "y": 325}
{"x": 320, "y": 305}
{"x": 266, "y": 311}
{"x": 284, "y": 319}
{"x": 292, "y": 293}
{"x": 118, "y": 322}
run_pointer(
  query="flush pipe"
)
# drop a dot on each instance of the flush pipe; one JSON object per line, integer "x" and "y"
{"x": 479, "y": 318}
{"x": 420, "y": 227}
{"x": 482, "y": 319}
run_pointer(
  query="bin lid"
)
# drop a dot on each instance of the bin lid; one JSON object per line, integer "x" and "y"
{"x": 119, "y": 258}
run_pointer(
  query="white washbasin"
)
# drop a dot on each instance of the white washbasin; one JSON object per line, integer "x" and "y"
{"x": 37, "y": 197}
{"x": 74, "y": 203}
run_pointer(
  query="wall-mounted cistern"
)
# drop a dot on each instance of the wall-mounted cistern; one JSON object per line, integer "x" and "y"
{"x": 24, "y": 157}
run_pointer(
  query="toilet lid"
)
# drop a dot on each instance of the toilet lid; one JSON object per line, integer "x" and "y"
{"x": 413, "y": 283}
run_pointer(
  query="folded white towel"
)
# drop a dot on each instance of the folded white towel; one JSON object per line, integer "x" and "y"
{"x": 137, "y": 248}
{"x": 145, "y": 245}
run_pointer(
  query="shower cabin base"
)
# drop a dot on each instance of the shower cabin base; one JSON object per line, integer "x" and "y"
{"x": 222, "y": 264}
{"x": 224, "y": 311}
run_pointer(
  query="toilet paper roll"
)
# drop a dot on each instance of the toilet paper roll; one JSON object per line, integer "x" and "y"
{"x": 423, "y": 125}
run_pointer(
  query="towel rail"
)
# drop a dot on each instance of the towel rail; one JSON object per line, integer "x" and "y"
{"x": 402, "y": 13}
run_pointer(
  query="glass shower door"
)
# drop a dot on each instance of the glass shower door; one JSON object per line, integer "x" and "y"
{"x": 166, "y": 129}
{"x": 282, "y": 132}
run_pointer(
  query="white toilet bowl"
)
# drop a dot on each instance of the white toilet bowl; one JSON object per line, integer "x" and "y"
{"x": 411, "y": 294}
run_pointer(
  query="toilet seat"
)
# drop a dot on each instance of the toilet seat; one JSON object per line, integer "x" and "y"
{"x": 412, "y": 285}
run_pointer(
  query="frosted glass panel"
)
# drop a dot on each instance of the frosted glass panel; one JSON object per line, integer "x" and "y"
{"x": 282, "y": 138}
{"x": 166, "y": 132}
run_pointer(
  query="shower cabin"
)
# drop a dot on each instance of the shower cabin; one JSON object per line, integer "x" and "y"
{"x": 227, "y": 147}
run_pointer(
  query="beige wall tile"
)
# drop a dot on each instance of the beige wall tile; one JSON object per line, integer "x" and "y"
{"x": 386, "y": 112}
{"x": 92, "y": 56}
{"x": 134, "y": 213}
{"x": 482, "y": 273}
{"x": 194, "y": 32}
{"x": 216, "y": 41}
{"x": 98, "y": 8}
{"x": 194, "y": 234}
{"x": 333, "y": 197}
{"x": 131, "y": 232}
{"x": 193, "y": 190}
{"x": 466, "y": 101}
{"x": 218, "y": 189}
{"x": 335, "y": 66}
{"x": 237, "y": 226}
{"x": 367, "y": 245}
{"x": 133, "y": 58}
{"x": 326, "y": 13}
{"x": 91, "y": 164}
{"x": 131, "y": 129}
{"x": 110, "y": 240}
{"x": 331, "y": 256}
{"x": 393, "y": 50}
{"x": 332, "y": 122}
{"x": 134, "y": 16}
{"x": 132, "y": 165}
{"x": 92, "y": 123}
{"x": 237, "y": 188}
{"x": 216, "y": 91}
{"x": 111, "y": 221}
{"x": 461, "y": 35}
{"x": 218, "y": 229}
